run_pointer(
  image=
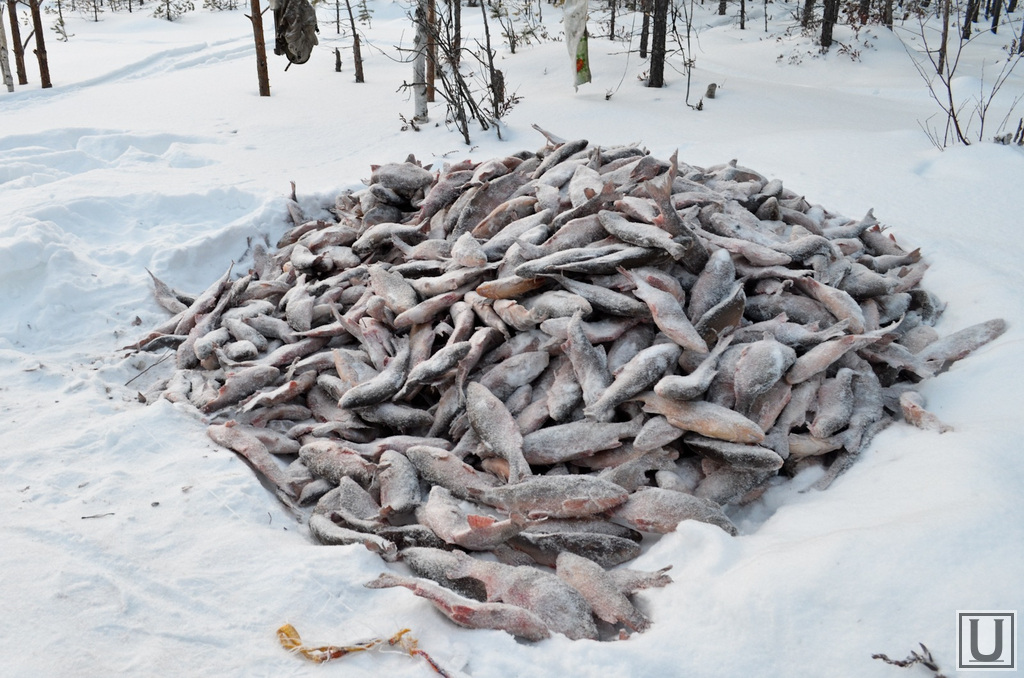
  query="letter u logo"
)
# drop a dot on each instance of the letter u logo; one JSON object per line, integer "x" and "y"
{"x": 997, "y": 651}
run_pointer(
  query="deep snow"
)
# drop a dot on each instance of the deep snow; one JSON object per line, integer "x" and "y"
{"x": 132, "y": 545}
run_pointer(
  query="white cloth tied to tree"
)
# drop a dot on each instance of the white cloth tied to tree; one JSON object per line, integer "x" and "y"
{"x": 574, "y": 21}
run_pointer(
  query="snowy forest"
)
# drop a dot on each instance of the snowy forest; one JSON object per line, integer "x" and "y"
{"x": 949, "y": 42}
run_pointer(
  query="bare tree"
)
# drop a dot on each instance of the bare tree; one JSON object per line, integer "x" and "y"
{"x": 17, "y": 47}
{"x": 829, "y": 16}
{"x": 419, "y": 63}
{"x": 939, "y": 68}
{"x": 357, "y": 57}
{"x": 656, "y": 78}
{"x": 997, "y": 5}
{"x": 5, "y": 65}
{"x": 808, "y": 14}
{"x": 44, "y": 64}
{"x": 467, "y": 80}
{"x": 645, "y": 28}
{"x": 972, "y": 11}
{"x": 431, "y": 72}
{"x": 261, "y": 47}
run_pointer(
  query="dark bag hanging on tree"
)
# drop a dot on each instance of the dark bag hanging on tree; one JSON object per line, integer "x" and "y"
{"x": 295, "y": 29}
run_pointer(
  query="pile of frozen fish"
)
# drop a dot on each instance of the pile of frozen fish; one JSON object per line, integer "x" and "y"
{"x": 546, "y": 356}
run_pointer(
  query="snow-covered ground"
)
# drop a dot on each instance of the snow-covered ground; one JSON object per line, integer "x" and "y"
{"x": 132, "y": 545}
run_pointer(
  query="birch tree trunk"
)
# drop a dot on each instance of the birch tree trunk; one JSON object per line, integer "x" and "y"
{"x": 5, "y": 65}
{"x": 419, "y": 64}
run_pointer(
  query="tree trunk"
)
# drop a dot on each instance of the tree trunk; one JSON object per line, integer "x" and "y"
{"x": 828, "y": 19}
{"x": 419, "y": 64}
{"x": 808, "y": 13}
{"x": 721, "y": 7}
{"x": 972, "y": 10}
{"x": 431, "y": 48}
{"x": 743, "y": 15}
{"x": 457, "y": 33}
{"x": 16, "y": 46}
{"x": 997, "y": 6}
{"x": 357, "y": 58}
{"x": 645, "y": 27}
{"x": 887, "y": 14}
{"x": 943, "y": 46}
{"x": 864, "y": 11}
{"x": 261, "y": 47}
{"x": 496, "y": 80}
{"x": 5, "y": 65}
{"x": 658, "y": 35}
{"x": 44, "y": 65}
{"x": 611, "y": 26}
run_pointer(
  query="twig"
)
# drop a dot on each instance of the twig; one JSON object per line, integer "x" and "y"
{"x": 163, "y": 358}
{"x": 924, "y": 659}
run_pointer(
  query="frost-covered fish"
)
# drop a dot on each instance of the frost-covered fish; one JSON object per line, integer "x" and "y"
{"x": 497, "y": 429}
{"x": 654, "y": 509}
{"x": 600, "y": 591}
{"x": 555, "y": 496}
{"x": 445, "y": 313}
{"x": 442, "y": 514}
{"x": 642, "y": 371}
{"x": 570, "y": 441}
{"x": 560, "y": 606}
{"x": 470, "y": 613}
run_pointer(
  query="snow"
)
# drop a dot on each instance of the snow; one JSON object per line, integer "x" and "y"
{"x": 132, "y": 545}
